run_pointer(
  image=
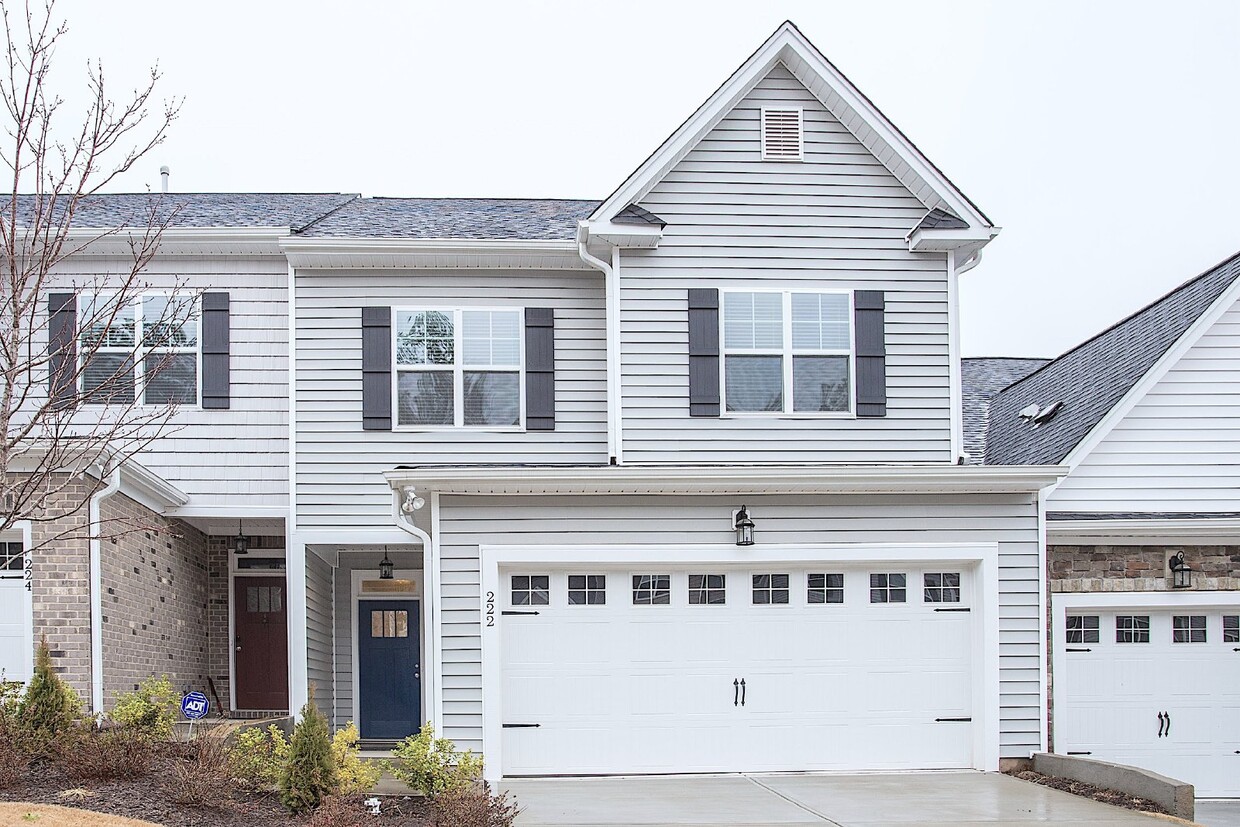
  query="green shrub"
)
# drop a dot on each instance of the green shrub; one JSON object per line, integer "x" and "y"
{"x": 49, "y": 706}
{"x": 151, "y": 709}
{"x": 474, "y": 805}
{"x": 257, "y": 755}
{"x": 352, "y": 773}
{"x": 309, "y": 774}
{"x": 434, "y": 765}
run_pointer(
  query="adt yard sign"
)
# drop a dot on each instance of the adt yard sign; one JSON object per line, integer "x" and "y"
{"x": 195, "y": 705}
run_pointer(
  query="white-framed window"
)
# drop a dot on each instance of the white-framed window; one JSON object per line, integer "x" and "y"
{"x": 146, "y": 350}
{"x": 459, "y": 368}
{"x": 531, "y": 589}
{"x": 708, "y": 589}
{"x": 941, "y": 586}
{"x": 1132, "y": 628}
{"x": 787, "y": 352}
{"x": 587, "y": 589}
{"x": 12, "y": 557}
{"x": 825, "y": 588}
{"x": 770, "y": 589}
{"x": 652, "y": 590}
{"x": 1188, "y": 629}
{"x": 1231, "y": 628}
{"x": 1082, "y": 629}
{"x": 888, "y": 588}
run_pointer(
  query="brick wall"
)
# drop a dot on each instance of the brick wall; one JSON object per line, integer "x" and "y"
{"x": 1114, "y": 568}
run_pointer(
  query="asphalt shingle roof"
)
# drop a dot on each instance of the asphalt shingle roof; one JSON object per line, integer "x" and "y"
{"x": 210, "y": 209}
{"x": 940, "y": 219}
{"x": 980, "y": 380}
{"x": 633, "y": 214}
{"x": 1092, "y": 377}
{"x": 471, "y": 218}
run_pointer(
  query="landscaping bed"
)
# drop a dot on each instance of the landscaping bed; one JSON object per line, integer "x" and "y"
{"x": 1084, "y": 790}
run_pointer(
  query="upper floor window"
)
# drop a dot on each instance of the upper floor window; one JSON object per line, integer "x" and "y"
{"x": 787, "y": 352}
{"x": 143, "y": 350}
{"x": 458, "y": 368}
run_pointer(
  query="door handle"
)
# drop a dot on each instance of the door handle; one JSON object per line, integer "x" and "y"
{"x": 1164, "y": 724}
{"x": 736, "y": 692}
{"x": 1168, "y": 716}
{"x": 742, "y": 691}
{"x": 237, "y": 642}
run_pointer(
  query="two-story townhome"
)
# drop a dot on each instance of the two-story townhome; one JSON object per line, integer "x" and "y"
{"x": 670, "y": 482}
{"x": 1143, "y": 536}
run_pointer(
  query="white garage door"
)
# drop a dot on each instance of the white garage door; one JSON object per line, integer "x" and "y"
{"x": 720, "y": 669}
{"x": 15, "y": 643}
{"x": 1157, "y": 689}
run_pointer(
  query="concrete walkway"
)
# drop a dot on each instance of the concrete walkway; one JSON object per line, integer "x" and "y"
{"x": 1214, "y": 813}
{"x": 879, "y": 800}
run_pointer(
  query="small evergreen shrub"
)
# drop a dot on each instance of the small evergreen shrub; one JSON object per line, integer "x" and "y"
{"x": 256, "y": 756}
{"x": 48, "y": 707}
{"x": 309, "y": 774}
{"x": 151, "y": 709}
{"x": 474, "y": 805}
{"x": 352, "y": 773}
{"x": 201, "y": 776}
{"x": 434, "y": 765}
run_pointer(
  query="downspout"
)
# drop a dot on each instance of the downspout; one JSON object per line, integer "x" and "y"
{"x": 403, "y": 520}
{"x": 96, "y": 589}
{"x": 612, "y": 298}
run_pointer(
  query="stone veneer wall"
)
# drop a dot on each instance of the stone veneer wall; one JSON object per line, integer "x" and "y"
{"x": 1115, "y": 568}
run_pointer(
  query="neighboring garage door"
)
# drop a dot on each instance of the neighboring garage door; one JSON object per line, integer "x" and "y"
{"x": 719, "y": 669}
{"x": 1157, "y": 689}
{"x": 15, "y": 642}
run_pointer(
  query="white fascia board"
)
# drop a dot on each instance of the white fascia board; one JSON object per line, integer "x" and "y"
{"x": 1153, "y": 376}
{"x": 940, "y": 241}
{"x": 332, "y": 253}
{"x": 788, "y": 46}
{"x": 774, "y": 479}
{"x": 113, "y": 241}
{"x": 628, "y": 236}
{"x": 148, "y": 488}
{"x": 1137, "y": 531}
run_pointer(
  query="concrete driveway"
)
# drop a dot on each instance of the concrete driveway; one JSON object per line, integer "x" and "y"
{"x": 880, "y": 800}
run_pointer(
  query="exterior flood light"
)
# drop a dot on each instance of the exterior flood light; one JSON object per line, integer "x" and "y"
{"x": 1181, "y": 574}
{"x": 744, "y": 527}
{"x": 386, "y": 566}
{"x": 241, "y": 543}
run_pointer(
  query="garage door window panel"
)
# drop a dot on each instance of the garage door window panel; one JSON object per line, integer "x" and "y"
{"x": 11, "y": 557}
{"x": 1132, "y": 629}
{"x": 652, "y": 590}
{"x": 825, "y": 588}
{"x": 1188, "y": 629}
{"x": 531, "y": 590}
{"x": 770, "y": 589}
{"x": 1082, "y": 629}
{"x": 1231, "y": 628}
{"x": 587, "y": 589}
{"x": 707, "y": 589}
{"x": 942, "y": 587}
{"x": 888, "y": 588}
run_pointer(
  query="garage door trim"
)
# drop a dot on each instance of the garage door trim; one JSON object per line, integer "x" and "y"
{"x": 21, "y": 533}
{"x": 985, "y": 598}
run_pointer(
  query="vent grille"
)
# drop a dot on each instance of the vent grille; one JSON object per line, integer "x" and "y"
{"x": 781, "y": 135}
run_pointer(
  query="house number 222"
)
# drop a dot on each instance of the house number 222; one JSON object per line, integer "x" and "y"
{"x": 490, "y": 608}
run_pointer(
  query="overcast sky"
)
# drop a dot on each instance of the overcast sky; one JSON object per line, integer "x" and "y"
{"x": 1104, "y": 137}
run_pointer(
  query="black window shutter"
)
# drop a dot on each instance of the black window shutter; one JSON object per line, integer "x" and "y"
{"x": 62, "y": 348}
{"x": 539, "y": 369}
{"x": 868, "y": 311}
{"x": 376, "y": 368}
{"x": 704, "y": 352}
{"x": 216, "y": 340}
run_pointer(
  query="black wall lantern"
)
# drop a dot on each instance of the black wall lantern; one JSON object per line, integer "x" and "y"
{"x": 744, "y": 527}
{"x": 1181, "y": 574}
{"x": 241, "y": 543}
{"x": 386, "y": 567}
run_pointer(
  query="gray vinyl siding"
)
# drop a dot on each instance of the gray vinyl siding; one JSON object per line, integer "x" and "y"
{"x": 237, "y": 456}
{"x": 340, "y": 466}
{"x": 466, "y": 523}
{"x": 838, "y": 220}
{"x": 319, "y": 632}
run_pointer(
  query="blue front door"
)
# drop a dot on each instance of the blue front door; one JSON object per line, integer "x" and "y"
{"x": 389, "y": 672}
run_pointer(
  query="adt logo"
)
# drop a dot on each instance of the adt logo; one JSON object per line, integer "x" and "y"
{"x": 195, "y": 705}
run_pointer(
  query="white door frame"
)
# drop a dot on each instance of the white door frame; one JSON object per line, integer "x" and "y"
{"x": 985, "y": 629}
{"x": 21, "y": 533}
{"x": 233, "y": 574}
{"x": 356, "y": 576}
{"x": 1064, "y": 602}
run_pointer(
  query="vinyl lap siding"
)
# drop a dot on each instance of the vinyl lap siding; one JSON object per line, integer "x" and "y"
{"x": 239, "y": 456}
{"x": 319, "y": 632}
{"x": 837, "y": 220}
{"x": 1178, "y": 449}
{"x": 339, "y": 466}
{"x": 469, "y": 522}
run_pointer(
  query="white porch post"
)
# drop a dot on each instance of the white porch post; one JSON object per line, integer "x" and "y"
{"x": 298, "y": 679}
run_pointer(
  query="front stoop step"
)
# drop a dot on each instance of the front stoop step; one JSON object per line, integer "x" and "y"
{"x": 388, "y": 785}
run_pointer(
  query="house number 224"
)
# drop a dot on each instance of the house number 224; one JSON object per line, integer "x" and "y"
{"x": 490, "y": 608}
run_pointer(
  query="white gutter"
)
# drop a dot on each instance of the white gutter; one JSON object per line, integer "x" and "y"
{"x": 615, "y": 450}
{"x": 969, "y": 263}
{"x": 96, "y": 590}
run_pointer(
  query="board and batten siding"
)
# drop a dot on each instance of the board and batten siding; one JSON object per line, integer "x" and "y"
{"x": 319, "y": 633}
{"x": 237, "y": 456}
{"x": 1178, "y": 449}
{"x": 837, "y": 220}
{"x": 340, "y": 466}
{"x": 467, "y": 523}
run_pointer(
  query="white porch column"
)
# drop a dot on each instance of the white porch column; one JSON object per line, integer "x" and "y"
{"x": 298, "y": 679}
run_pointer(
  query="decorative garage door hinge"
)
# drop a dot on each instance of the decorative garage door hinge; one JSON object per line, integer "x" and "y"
{"x": 952, "y": 720}
{"x": 960, "y": 609}
{"x": 514, "y": 612}
{"x": 522, "y": 726}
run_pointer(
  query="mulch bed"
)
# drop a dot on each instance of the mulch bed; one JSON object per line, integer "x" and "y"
{"x": 1084, "y": 790}
{"x": 151, "y": 799}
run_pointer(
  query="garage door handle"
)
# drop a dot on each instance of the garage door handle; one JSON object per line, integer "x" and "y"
{"x": 1164, "y": 724}
{"x": 736, "y": 692}
{"x": 742, "y": 691}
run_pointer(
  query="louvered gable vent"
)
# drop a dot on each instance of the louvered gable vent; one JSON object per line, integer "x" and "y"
{"x": 781, "y": 135}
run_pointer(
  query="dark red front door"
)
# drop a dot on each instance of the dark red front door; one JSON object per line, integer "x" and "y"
{"x": 260, "y": 622}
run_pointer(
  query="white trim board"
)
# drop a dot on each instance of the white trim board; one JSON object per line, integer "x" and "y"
{"x": 985, "y": 628}
{"x": 21, "y": 532}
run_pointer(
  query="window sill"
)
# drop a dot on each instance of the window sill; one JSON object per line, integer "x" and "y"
{"x": 797, "y": 416}
{"x": 470, "y": 429}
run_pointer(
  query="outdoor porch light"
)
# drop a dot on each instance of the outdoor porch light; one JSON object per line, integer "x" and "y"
{"x": 1181, "y": 574}
{"x": 744, "y": 527}
{"x": 241, "y": 543}
{"x": 412, "y": 501}
{"x": 386, "y": 566}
